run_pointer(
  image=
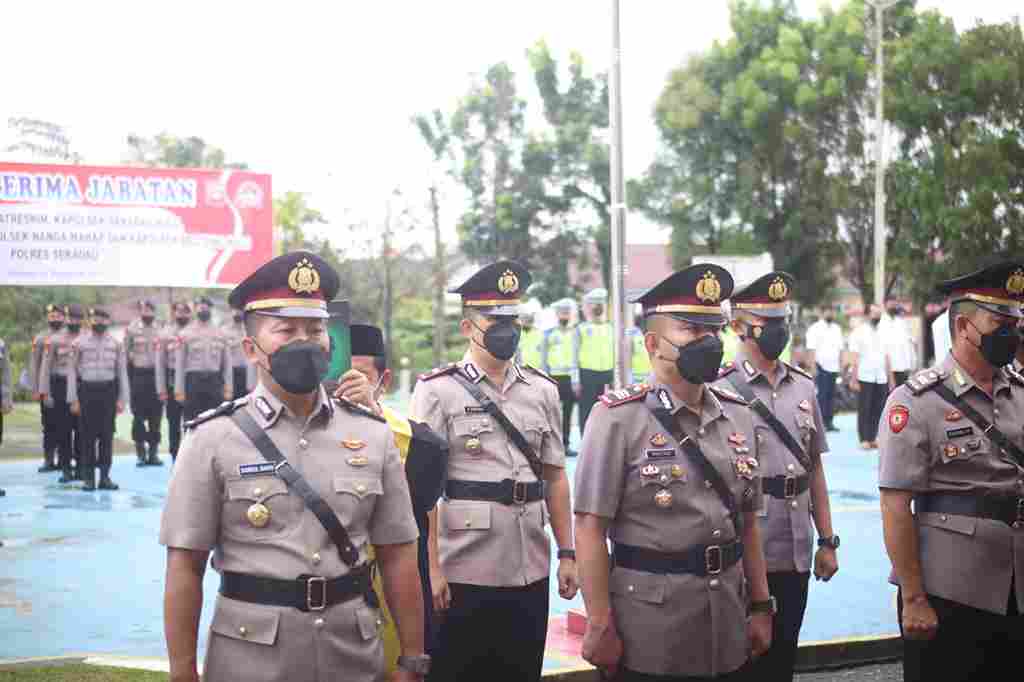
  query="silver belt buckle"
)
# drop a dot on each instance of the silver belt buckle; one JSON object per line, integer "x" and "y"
{"x": 518, "y": 498}
{"x": 789, "y": 487}
{"x": 323, "y": 593}
{"x": 713, "y": 559}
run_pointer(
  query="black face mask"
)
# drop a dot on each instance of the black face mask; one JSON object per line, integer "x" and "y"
{"x": 501, "y": 339}
{"x": 598, "y": 310}
{"x": 298, "y": 367}
{"x": 55, "y": 325}
{"x": 99, "y": 328}
{"x": 830, "y": 319}
{"x": 563, "y": 323}
{"x": 699, "y": 360}
{"x": 182, "y": 321}
{"x": 999, "y": 347}
{"x": 147, "y": 320}
{"x": 875, "y": 321}
{"x": 73, "y": 328}
{"x": 203, "y": 315}
{"x": 771, "y": 338}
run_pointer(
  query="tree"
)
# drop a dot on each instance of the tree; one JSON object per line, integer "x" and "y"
{"x": 168, "y": 151}
{"x": 41, "y": 140}
{"x": 291, "y": 215}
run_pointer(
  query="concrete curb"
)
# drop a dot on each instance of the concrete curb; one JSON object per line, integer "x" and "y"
{"x": 45, "y": 662}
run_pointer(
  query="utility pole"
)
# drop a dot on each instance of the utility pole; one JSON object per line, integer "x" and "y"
{"x": 440, "y": 278}
{"x": 618, "y": 231}
{"x": 880, "y": 7}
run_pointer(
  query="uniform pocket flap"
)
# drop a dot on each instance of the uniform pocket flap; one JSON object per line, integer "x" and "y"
{"x": 255, "y": 488}
{"x": 358, "y": 486}
{"x": 648, "y": 587}
{"x": 471, "y": 426}
{"x": 369, "y": 622}
{"x": 245, "y": 622}
{"x": 964, "y": 525}
{"x": 467, "y": 516}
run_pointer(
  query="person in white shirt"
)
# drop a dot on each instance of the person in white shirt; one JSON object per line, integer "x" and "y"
{"x": 940, "y": 336}
{"x": 899, "y": 345}
{"x": 825, "y": 342}
{"x": 870, "y": 376}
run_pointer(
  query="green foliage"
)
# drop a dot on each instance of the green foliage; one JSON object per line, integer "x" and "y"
{"x": 169, "y": 151}
{"x": 291, "y": 215}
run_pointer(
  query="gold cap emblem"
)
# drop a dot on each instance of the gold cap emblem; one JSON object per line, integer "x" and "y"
{"x": 709, "y": 288}
{"x": 508, "y": 283}
{"x": 778, "y": 289}
{"x": 258, "y": 515}
{"x": 304, "y": 279}
{"x": 1015, "y": 285}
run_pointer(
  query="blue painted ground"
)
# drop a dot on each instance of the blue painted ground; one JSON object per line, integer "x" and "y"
{"x": 83, "y": 573}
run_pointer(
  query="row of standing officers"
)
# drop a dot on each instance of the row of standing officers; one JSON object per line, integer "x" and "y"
{"x": 83, "y": 377}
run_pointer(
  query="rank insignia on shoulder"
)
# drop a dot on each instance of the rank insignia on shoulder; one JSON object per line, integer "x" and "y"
{"x": 924, "y": 381}
{"x": 227, "y": 407}
{"x": 264, "y": 408}
{"x": 625, "y": 395}
{"x": 727, "y": 394}
{"x": 541, "y": 373}
{"x": 470, "y": 370}
{"x": 439, "y": 371}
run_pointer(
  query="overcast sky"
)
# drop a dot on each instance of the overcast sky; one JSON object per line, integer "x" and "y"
{"x": 319, "y": 94}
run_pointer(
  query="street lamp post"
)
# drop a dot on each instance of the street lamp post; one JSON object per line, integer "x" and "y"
{"x": 618, "y": 212}
{"x": 880, "y": 7}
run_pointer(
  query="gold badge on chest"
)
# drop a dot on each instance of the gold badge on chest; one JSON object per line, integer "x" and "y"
{"x": 663, "y": 499}
{"x": 258, "y": 515}
{"x": 473, "y": 444}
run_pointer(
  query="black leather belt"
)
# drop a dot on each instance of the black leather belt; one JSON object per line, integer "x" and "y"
{"x": 505, "y": 492}
{"x": 698, "y": 560}
{"x": 1009, "y": 510}
{"x": 305, "y": 593}
{"x": 786, "y": 487}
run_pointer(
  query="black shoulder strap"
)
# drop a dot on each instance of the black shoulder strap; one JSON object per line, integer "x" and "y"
{"x": 769, "y": 418}
{"x": 298, "y": 485}
{"x": 987, "y": 427}
{"x": 491, "y": 408}
{"x": 671, "y": 424}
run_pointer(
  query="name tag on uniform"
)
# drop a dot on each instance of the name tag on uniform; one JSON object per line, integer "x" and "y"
{"x": 959, "y": 433}
{"x": 475, "y": 409}
{"x": 660, "y": 453}
{"x": 257, "y": 469}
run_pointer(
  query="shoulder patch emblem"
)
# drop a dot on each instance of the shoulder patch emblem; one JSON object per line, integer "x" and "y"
{"x": 541, "y": 373}
{"x": 727, "y": 394}
{"x": 923, "y": 381}
{"x": 899, "y": 415}
{"x": 439, "y": 372}
{"x": 624, "y": 395}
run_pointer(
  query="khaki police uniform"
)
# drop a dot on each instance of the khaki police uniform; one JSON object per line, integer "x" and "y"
{"x": 968, "y": 499}
{"x": 54, "y": 313}
{"x": 147, "y": 375}
{"x": 496, "y": 555}
{"x": 170, "y": 341}
{"x": 201, "y": 367}
{"x": 6, "y": 388}
{"x": 53, "y": 381}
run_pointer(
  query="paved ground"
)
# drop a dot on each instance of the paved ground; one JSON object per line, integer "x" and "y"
{"x": 889, "y": 672}
{"x": 82, "y": 572}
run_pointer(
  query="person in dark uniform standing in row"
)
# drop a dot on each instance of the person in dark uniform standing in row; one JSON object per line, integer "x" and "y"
{"x": 145, "y": 374}
{"x": 181, "y": 315}
{"x": 55, "y": 322}
{"x": 952, "y": 442}
{"x": 202, "y": 371}
{"x": 98, "y": 391}
{"x": 54, "y": 390}
{"x": 790, "y": 435}
{"x": 243, "y": 375}
{"x": 424, "y": 455}
{"x": 490, "y": 552}
{"x": 559, "y": 354}
{"x": 668, "y": 472}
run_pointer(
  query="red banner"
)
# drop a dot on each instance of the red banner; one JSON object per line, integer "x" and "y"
{"x": 89, "y": 225}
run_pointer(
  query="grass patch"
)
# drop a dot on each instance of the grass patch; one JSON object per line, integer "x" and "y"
{"x": 80, "y": 673}
{"x": 23, "y": 433}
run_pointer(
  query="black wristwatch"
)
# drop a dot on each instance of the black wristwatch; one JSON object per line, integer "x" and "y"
{"x": 567, "y": 554}
{"x": 419, "y": 665}
{"x": 831, "y": 543}
{"x": 769, "y": 606}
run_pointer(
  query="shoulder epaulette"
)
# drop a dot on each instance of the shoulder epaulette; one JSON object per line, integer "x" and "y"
{"x": 924, "y": 381}
{"x": 726, "y": 369}
{"x": 726, "y": 394}
{"x": 226, "y": 408}
{"x": 625, "y": 395}
{"x": 1014, "y": 375}
{"x": 799, "y": 370}
{"x": 541, "y": 373}
{"x": 355, "y": 408}
{"x": 439, "y": 371}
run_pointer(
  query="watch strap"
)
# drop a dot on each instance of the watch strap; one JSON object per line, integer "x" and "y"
{"x": 567, "y": 554}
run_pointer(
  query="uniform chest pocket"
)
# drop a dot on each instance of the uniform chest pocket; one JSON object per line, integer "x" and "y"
{"x": 472, "y": 434}
{"x": 260, "y": 508}
{"x": 355, "y": 498}
{"x": 955, "y": 450}
{"x": 535, "y": 432}
{"x": 805, "y": 429}
{"x": 647, "y": 587}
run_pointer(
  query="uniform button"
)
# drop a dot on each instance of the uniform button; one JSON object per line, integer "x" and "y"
{"x": 707, "y": 484}
{"x": 943, "y": 517}
{"x": 793, "y": 504}
{"x": 379, "y": 622}
{"x": 775, "y": 396}
{"x": 631, "y": 588}
{"x": 360, "y": 488}
{"x": 257, "y": 491}
{"x": 469, "y": 522}
{"x": 316, "y": 558}
{"x": 319, "y": 622}
{"x": 716, "y": 534}
{"x": 713, "y": 583}
{"x": 303, "y": 443}
{"x": 243, "y": 631}
{"x": 996, "y": 412}
{"x": 790, "y": 467}
{"x": 700, "y": 431}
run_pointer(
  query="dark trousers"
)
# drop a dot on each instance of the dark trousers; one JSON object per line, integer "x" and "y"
{"x": 423, "y": 560}
{"x": 62, "y": 423}
{"x": 568, "y": 399}
{"x": 970, "y": 644}
{"x": 870, "y": 402}
{"x": 146, "y": 407}
{"x": 99, "y": 408}
{"x": 203, "y": 391}
{"x": 826, "y": 383}
{"x": 592, "y": 386}
{"x": 740, "y": 675}
{"x": 492, "y": 633}
{"x": 49, "y": 432}
{"x": 239, "y": 380}
{"x": 790, "y": 590}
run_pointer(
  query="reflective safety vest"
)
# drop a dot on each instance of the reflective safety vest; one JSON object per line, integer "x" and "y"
{"x": 641, "y": 364}
{"x": 595, "y": 346}
{"x": 529, "y": 352}
{"x": 558, "y": 353}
